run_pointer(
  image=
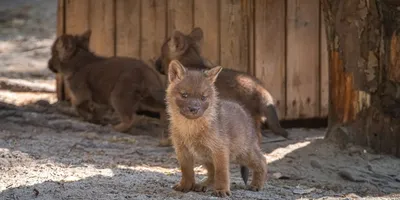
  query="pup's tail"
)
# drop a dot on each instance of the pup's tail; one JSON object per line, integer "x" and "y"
{"x": 244, "y": 173}
{"x": 268, "y": 110}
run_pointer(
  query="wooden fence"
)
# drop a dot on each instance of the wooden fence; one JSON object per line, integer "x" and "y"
{"x": 282, "y": 42}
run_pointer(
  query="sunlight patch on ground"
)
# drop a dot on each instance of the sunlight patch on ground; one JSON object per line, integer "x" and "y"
{"x": 6, "y": 46}
{"x": 38, "y": 176}
{"x": 42, "y": 170}
{"x": 23, "y": 98}
{"x": 199, "y": 169}
{"x": 280, "y": 153}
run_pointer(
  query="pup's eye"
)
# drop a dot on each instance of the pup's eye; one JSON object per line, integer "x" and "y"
{"x": 184, "y": 95}
{"x": 203, "y": 98}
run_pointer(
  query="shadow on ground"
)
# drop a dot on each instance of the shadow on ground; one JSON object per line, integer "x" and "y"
{"x": 60, "y": 156}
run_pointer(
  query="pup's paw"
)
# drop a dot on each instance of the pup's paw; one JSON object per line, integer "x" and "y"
{"x": 200, "y": 188}
{"x": 222, "y": 193}
{"x": 254, "y": 188}
{"x": 183, "y": 187}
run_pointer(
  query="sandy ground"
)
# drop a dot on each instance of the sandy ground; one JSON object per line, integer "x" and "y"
{"x": 47, "y": 154}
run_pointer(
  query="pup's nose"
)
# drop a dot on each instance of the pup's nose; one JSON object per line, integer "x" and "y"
{"x": 194, "y": 110}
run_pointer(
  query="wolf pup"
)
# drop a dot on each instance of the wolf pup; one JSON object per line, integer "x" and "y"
{"x": 212, "y": 131}
{"x": 231, "y": 84}
{"x": 125, "y": 84}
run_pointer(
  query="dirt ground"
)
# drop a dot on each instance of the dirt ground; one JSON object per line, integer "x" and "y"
{"x": 46, "y": 152}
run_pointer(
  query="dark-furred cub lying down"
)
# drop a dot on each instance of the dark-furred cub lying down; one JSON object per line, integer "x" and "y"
{"x": 125, "y": 84}
{"x": 231, "y": 84}
{"x": 212, "y": 131}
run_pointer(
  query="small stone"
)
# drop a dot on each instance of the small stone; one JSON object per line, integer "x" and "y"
{"x": 303, "y": 191}
{"x": 91, "y": 135}
{"x": 277, "y": 175}
{"x": 355, "y": 150}
{"x": 352, "y": 196}
{"x": 397, "y": 178}
{"x": 347, "y": 175}
{"x": 4, "y": 163}
{"x": 315, "y": 164}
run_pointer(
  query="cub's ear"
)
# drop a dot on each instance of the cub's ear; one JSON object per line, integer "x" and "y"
{"x": 65, "y": 46}
{"x": 177, "y": 43}
{"x": 84, "y": 39}
{"x": 176, "y": 71}
{"x": 212, "y": 73}
{"x": 159, "y": 66}
{"x": 197, "y": 34}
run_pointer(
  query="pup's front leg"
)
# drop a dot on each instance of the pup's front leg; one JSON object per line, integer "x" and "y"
{"x": 83, "y": 110}
{"x": 80, "y": 100}
{"x": 165, "y": 136}
{"x": 221, "y": 166}
{"x": 97, "y": 114}
{"x": 186, "y": 163}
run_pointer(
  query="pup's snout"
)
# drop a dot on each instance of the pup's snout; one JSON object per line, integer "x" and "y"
{"x": 194, "y": 110}
{"x": 50, "y": 66}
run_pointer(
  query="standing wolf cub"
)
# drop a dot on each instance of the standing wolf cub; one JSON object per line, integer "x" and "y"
{"x": 231, "y": 84}
{"x": 212, "y": 131}
{"x": 125, "y": 84}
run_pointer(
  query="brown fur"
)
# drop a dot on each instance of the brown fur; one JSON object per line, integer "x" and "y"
{"x": 231, "y": 84}
{"x": 212, "y": 131}
{"x": 125, "y": 84}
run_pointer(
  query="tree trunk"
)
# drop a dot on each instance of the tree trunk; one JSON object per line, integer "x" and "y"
{"x": 364, "y": 63}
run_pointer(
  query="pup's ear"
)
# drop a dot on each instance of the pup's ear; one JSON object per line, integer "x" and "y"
{"x": 212, "y": 73}
{"x": 85, "y": 38}
{"x": 159, "y": 66}
{"x": 177, "y": 43}
{"x": 176, "y": 71}
{"x": 197, "y": 34}
{"x": 65, "y": 46}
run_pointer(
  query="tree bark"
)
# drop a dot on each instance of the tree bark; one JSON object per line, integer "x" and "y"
{"x": 364, "y": 63}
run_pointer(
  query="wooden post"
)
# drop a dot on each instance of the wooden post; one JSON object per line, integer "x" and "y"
{"x": 60, "y": 30}
{"x": 363, "y": 57}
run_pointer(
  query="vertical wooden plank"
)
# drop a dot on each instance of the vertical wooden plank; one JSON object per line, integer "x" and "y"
{"x": 206, "y": 16}
{"x": 270, "y": 49}
{"x": 128, "y": 28}
{"x": 102, "y": 23}
{"x": 60, "y": 31}
{"x": 180, "y": 16}
{"x": 153, "y": 31}
{"x": 250, "y": 16}
{"x": 60, "y": 17}
{"x": 234, "y": 35}
{"x": 77, "y": 16}
{"x": 76, "y": 22}
{"x": 324, "y": 70}
{"x": 246, "y": 43}
{"x": 303, "y": 59}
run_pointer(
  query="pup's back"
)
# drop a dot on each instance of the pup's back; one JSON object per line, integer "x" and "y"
{"x": 121, "y": 73}
{"x": 236, "y": 124}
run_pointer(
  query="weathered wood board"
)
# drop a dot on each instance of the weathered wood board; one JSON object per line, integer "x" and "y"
{"x": 280, "y": 42}
{"x": 302, "y": 59}
{"x": 270, "y": 49}
{"x": 128, "y": 28}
